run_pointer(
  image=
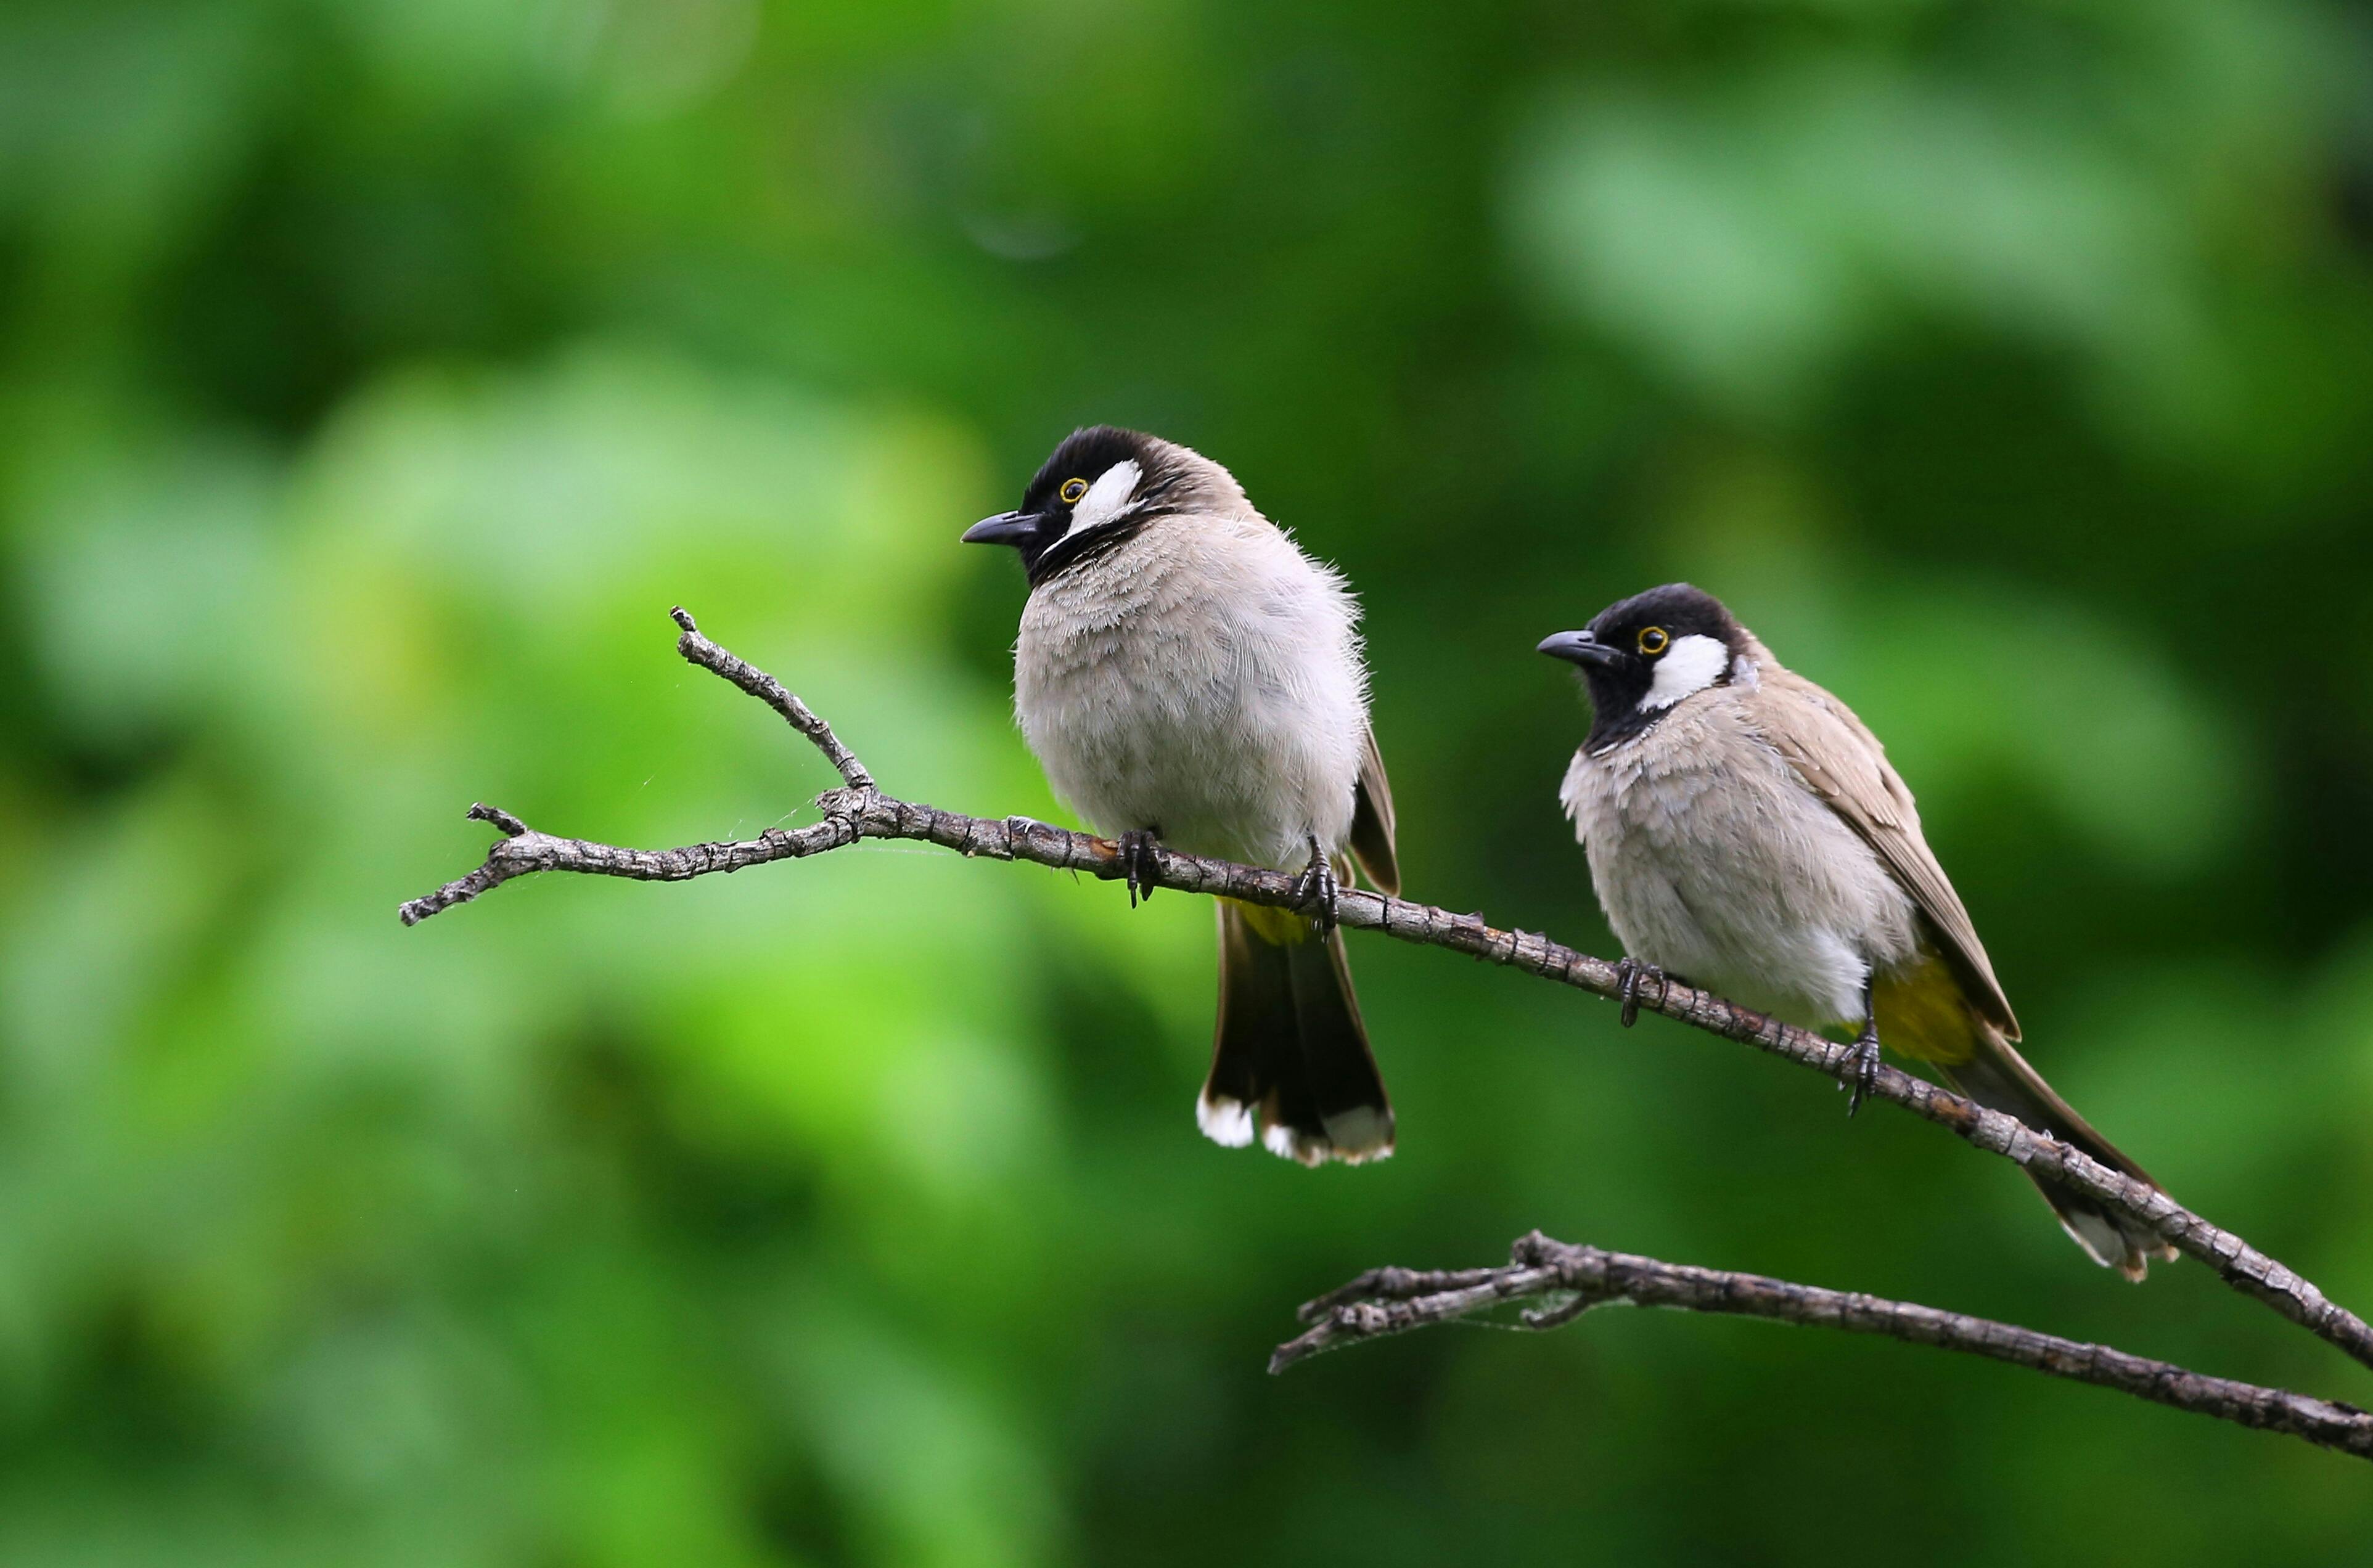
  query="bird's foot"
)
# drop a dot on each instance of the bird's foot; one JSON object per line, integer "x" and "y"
{"x": 1866, "y": 1066}
{"x": 1141, "y": 866}
{"x": 1628, "y": 973}
{"x": 1316, "y": 891}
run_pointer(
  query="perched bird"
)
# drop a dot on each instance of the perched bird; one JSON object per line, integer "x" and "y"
{"x": 1745, "y": 830}
{"x": 1187, "y": 675}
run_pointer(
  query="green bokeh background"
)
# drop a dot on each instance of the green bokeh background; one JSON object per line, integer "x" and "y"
{"x": 374, "y": 376}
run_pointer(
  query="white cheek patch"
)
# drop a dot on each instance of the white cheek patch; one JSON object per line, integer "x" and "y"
{"x": 1105, "y": 498}
{"x": 1690, "y": 665}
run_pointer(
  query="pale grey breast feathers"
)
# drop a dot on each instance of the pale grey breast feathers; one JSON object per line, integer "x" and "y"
{"x": 1712, "y": 859}
{"x": 1202, "y": 678}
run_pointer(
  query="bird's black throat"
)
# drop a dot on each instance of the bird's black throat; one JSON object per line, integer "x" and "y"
{"x": 1624, "y": 648}
{"x": 1043, "y": 563}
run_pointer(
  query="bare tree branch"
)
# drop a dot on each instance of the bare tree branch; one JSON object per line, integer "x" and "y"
{"x": 771, "y": 691}
{"x": 1575, "y": 1280}
{"x": 858, "y": 810}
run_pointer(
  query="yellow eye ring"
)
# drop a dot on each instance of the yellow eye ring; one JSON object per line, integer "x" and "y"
{"x": 1072, "y": 490}
{"x": 1653, "y": 641}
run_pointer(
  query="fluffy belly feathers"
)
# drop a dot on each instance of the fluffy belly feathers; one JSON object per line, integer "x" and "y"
{"x": 1221, "y": 704}
{"x": 1746, "y": 884}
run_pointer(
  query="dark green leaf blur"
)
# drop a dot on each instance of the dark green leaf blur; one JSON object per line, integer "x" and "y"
{"x": 375, "y": 375}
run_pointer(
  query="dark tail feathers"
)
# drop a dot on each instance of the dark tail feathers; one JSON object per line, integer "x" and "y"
{"x": 2000, "y": 1079}
{"x": 1290, "y": 1059}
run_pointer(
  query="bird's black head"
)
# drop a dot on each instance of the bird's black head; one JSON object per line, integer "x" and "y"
{"x": 1101, "y": 485}
{"x": 1645, "y": 654}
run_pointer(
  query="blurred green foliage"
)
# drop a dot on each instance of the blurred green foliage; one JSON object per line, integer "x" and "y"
{"x": 374, "y": 376}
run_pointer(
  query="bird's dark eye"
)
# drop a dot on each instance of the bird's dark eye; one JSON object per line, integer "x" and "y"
{"x": 1653, "y": 641}
{"x": 1072, "y": 490}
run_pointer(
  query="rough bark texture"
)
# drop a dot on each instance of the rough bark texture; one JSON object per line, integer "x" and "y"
{"x": 1576, "y": 1278}
{"x": 860, "y": 810}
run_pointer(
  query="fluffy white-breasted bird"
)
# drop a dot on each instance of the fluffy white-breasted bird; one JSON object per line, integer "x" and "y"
{"x": 1187, "y": 675}
{"x": 1746, "y": 830}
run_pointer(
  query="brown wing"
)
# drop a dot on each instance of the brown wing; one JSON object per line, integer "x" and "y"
{"x": 1372, "y": 821}
{"x": 1842, "y": 762}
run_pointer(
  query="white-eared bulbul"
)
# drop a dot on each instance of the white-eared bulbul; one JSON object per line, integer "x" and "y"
{"x": 1745, "y": 830}
{"x": 1187, "y": 675}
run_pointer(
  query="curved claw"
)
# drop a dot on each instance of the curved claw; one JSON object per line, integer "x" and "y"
{"x": 1628, "y": 973}
{"x": 1865, "y": 1063}
{"x": 1317, "y": 889}
{"x": 1140, "y": 864}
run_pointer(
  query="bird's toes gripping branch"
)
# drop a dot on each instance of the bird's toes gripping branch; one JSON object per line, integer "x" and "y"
{"x": 1140, "y": 865}
{"x": 1865, "y": 1066}
{"x": 1317, "y": 892}
{"x": 1628, "y": 973}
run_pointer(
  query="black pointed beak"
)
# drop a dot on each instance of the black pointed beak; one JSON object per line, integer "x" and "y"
{"x": 1580, "y": 648}
{"x": 1006, "y": 527}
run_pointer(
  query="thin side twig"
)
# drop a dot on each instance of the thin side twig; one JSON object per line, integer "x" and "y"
{"x": 1579, "y": 1279}
{"x": 860, "y": 810}
{"x": 699, "y": 650}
